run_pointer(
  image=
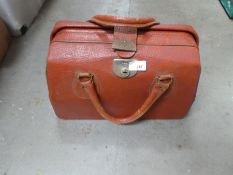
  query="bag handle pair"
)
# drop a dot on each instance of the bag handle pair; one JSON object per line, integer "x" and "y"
{"x": 125, "y": 29}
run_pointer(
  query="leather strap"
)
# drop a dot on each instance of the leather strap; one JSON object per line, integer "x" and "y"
{"x": 159, "y": 87}
{"x": 125, "y": 41}
{"x": 112, "y": 21}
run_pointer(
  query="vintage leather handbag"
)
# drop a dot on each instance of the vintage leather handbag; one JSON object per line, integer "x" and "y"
{"x": 122, "y": 69}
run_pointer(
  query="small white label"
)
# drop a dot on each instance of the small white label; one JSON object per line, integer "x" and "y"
{"x": 137, "y": 66}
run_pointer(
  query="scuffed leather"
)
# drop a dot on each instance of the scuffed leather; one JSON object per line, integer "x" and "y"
{"x": 86, "y": 47}
{"x": 128, "y": 34}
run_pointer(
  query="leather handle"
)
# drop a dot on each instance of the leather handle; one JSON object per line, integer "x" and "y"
{"x": 159, "y": 87}
{"x": 112, "y": 21}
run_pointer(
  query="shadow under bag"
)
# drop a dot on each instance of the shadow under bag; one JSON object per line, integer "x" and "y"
{"x": 122, "y": 69}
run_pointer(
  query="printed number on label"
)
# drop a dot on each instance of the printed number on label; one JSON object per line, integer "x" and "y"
{"x": 137, "y": 66}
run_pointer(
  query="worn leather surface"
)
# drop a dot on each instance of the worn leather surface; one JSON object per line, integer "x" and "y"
{"x": 78, "y": 47}
{"x": 128, "y": 35}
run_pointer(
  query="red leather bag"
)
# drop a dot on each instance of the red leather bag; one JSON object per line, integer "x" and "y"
{"x": 122, "y": 69}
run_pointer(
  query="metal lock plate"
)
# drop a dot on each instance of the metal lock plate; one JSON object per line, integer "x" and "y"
{"x": 120, "y": 68}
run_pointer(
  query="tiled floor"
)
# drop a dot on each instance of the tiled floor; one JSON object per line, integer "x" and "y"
{"x": 34, "y": 142}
